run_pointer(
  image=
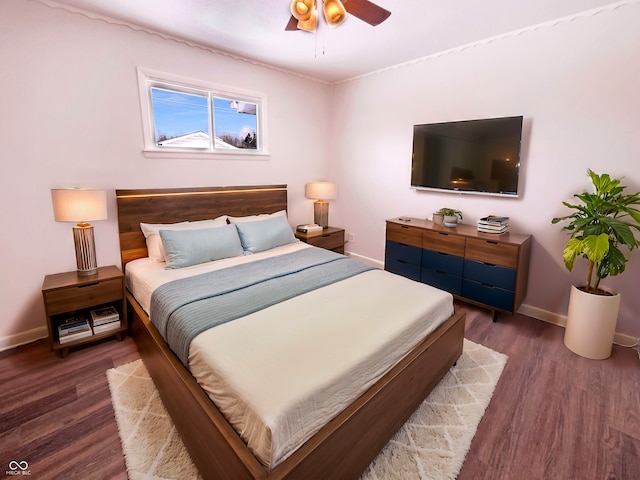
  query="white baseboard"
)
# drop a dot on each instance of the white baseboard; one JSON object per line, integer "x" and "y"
{"x": 369, "y": 261}
{"x": 29, "y": 336}
{"x": 619, "y": 339}
{"x": 543, "y": 315}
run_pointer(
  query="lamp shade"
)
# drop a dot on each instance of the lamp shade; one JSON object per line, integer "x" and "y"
{"x": 334, "y": 12}
{"x": 302, "y": 9}
{"x": 79, "y": 205}
{"x": 321, "y": 190}
{"x": 311, "y": 23}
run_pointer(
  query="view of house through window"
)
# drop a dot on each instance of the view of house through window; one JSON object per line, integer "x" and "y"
{"x": 185, "y": 119}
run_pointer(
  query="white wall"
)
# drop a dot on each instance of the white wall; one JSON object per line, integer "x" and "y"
{"x": 576, "y": 83}
{"x": 70, "y": 116}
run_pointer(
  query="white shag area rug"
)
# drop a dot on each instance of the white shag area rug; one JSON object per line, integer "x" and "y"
{"x": 432, "y": 444}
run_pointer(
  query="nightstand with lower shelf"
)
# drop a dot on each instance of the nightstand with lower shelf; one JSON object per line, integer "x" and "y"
{"x": 330, "y": 238}
{"x": 68, "y": 296}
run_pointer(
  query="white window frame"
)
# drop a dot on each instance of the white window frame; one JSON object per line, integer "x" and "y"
{"x": 149, "y": 78}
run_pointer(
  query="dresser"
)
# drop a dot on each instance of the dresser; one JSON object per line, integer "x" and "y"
{"x": 481, "y": 268}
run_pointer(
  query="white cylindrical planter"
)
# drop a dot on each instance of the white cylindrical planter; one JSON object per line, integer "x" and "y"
{"x": 591, "y": 323}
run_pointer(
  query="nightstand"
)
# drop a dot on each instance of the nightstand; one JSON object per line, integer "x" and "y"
{"x": 330, "y": 238}
{"x": 69, "y": 298}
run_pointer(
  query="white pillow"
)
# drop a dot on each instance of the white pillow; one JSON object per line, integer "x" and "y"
{"x": 262, "y": 216}
{"x": 154, "y": 242}
{"x": 265, "y": 234}
{"x": 190, "y": 247}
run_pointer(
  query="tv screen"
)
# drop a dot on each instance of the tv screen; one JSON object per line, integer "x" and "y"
{"x": 470, "y": 156}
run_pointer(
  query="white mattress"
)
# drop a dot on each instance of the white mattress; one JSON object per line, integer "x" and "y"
{"x": 280, "y": 374}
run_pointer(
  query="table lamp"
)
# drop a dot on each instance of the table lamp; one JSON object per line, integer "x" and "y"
{"x": 81, "y": 206}
{"x": 321, "y": 191}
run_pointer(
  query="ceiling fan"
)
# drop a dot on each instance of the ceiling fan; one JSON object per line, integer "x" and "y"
{"x": 304, "y": 14}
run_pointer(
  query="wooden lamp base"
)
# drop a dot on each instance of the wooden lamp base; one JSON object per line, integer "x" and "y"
{"x": 85, "y": 250}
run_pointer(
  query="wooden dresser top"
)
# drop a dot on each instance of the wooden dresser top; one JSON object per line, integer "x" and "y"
{"x": 462, "y": 229}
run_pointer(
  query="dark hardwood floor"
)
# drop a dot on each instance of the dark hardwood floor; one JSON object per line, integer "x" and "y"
{"x": 554, "y": 415}
{"x": 56, "y": 414}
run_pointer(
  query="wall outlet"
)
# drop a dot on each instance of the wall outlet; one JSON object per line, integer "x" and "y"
{"x": 351, "y": 237}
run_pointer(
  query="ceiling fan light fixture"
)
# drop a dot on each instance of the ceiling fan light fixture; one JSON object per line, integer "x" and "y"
{"x": 334, "y": 12}
{"x": 310, "y": 24}
{"x": 302, "y": 9}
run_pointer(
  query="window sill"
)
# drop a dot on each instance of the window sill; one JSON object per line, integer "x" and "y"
{"x": 204, "y": 155}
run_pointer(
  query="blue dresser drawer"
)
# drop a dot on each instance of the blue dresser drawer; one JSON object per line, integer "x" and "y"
{"x": 403, "y": 268}
{"x": 442, "y": 280}
{"x": 406, "y": 253}
{"x": 489, "y": 295}
{"x": 489, "y": 274}
{"x": 442, "y": 262}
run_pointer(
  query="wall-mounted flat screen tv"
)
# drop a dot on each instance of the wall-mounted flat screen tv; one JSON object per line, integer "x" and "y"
{"x": 470, "y": 156}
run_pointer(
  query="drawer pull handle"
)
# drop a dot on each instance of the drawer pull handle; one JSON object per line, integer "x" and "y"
{"x": 88, "y": 285}
{"x": 403, "y": 261}
{"x": 493, "y": 242}
{"x": 443, "y": 233}
{"x": 404, "y": 226}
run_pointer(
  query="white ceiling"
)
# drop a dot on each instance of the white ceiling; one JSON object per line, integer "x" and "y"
{"x": 254, "y": 29}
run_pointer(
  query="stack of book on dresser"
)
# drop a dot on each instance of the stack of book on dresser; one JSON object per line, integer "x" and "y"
{"x": 105, "y": 319}
{"x": 493, "y": 224}
{"x": 74, "y": 328}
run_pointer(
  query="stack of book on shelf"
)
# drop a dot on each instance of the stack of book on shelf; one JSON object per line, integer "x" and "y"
{"x": 105, "y": 319}
{"x": 493, "y": 224}
{"x": 73, "y": 328}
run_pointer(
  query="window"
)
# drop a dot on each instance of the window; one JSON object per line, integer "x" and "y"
{"x": 190, "y": 118}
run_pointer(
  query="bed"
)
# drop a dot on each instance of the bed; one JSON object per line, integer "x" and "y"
{"x": 347, "y": 440}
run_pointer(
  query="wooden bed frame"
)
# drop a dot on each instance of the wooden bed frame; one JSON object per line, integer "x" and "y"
{"x": 344, "y": 447}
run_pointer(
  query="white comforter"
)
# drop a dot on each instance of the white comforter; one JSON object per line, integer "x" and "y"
{"x": 280, "y": 374}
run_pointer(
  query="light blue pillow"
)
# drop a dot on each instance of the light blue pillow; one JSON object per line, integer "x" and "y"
{"x": 265, "y": 234}
{"x": 184, "y": 248}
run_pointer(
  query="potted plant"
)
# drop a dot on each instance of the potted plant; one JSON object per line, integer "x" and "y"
{"x": 437, "y": 218}
{"x": 600, "y": 228}
{"x": 451, "y": 216}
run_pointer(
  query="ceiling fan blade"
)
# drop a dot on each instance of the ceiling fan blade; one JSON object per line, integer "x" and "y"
{"x": 293, "y": 24}
{"x": 367, "y": 11}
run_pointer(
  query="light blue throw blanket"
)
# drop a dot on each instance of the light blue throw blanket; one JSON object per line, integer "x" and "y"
{"x": 184, "y": 308}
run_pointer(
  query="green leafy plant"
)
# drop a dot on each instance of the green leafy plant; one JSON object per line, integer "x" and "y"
{"x": 599, "y": 226}
{"x": 450, "y": 212}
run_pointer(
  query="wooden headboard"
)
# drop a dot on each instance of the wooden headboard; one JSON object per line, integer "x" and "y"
{"x": 170, "y": 205}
